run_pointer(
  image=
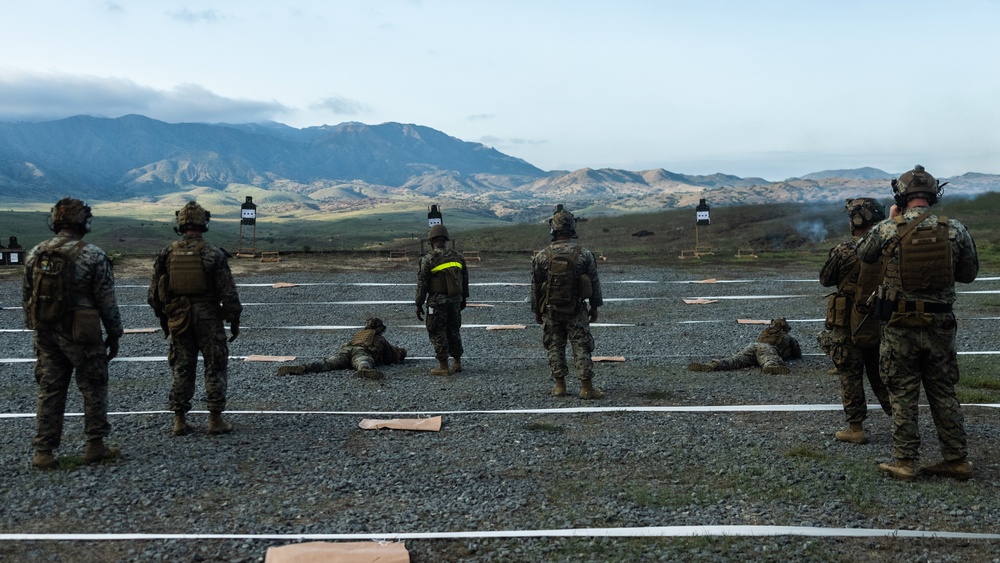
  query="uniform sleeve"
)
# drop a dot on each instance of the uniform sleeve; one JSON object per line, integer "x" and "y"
{"x": 159, "y": 269}
{"x": 423, "y": 275}
{"x": 27, "y": 284}
{"x": 590, "y": 267}
{"x": 967, "y": 258}
{"x": 225, "y": 288}
{"x": 104, "y": 297}
{"x": 465, "y": 279}
{"x": 537, "y": 279}
{"x": 829, "y": 274}
{"x": 869, "y": 248}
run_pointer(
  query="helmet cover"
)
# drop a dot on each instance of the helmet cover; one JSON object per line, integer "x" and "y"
{"x": 864, "y": 212}
{"x": 562, "y": 221}
{"x": 376, "y": 324}
{"x": 70, "y": 211}
{"x": 193, "y": 216}
{"x": 916, "y": 181}
{"x": 438, "y": 231}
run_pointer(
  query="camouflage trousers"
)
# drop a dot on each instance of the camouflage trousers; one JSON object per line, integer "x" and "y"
{"x": 853, "y": 363}
{"x": 356, "y": 357}
{"x": 444, "y": 326}
{"x": 209, "y": 337}
{"x": 915, "y": 356}
{"x": 557, "y": 330}
{"x": 58, "y": 356}
{"x": 756, "y": 354}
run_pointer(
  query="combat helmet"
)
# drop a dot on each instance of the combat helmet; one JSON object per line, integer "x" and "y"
{"x": 70, "y": 212}
{"x": 438, "y": 231}
{"x": 916, "y": 181}
{"x": 864, "y": 212}
{"x": 562, "y": 222}
{"x": 376, "y": 324}
{"x": 192, "y": 217}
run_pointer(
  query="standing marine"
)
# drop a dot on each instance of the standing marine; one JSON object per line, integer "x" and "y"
{"x": 68, "y": 293}
{"x": 563, "y": 280}
{"x": 852, "y": 333}
{"x": 366, "y": 349}
{"x": 443, "y": 285}
{"x": 925, "y": 255}
{"x": 192, "y": 292}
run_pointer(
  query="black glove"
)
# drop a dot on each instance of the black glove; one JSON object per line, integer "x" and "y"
{"x": 234, "y": 327}
{"x": 112, "y": 344}
{"x": 165, "y": 327}
{"x": 420, "y": 312}
{"x": 462, "y": 306}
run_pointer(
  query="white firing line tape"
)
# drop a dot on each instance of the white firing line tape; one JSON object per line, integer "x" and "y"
{"x": 629, "y": 532}
{"x": 164, "y": 358}
{"x": 566, "y": 410}
{"x": 748, "y": 296}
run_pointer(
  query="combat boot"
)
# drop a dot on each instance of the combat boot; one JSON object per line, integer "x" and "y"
{"x": 97, "y": 452}
{"x": 442, "y": 368}
{"x": 369, "y": 373}
{"x": 956, "y": 469}
{"x": 45, "y": 460}
{"x": 216, "y": 425}
{"x": 588, "y": 391}
{"x": 711, "y": 366}
{"x": 855, "y": 434}
{"x": 180, "y": 424}
{"x": 560, "y": 387}
{"x": 776, "y": 369}
{"x": 457, "y": 365}
{"x": 901, "y": 469}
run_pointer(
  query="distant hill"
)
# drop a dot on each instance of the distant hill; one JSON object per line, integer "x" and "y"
{"x": 353, "y": 166}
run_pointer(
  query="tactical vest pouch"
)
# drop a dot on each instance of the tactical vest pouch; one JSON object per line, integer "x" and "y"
{"x": 453, "y": 281}
{"x": 925, "y": 260}
{"x": 87, "y": 327}
{"x": 179, "y": 315}
{"x": 838, "y": 310}
{"x": 187, "y": 273}
{"x": 866, "y": 330}
{"x": 910, "y": 319}
{"x": 52, "y": 285}
{"x": 561, "y": 287}
{"x": 364, "y": 338}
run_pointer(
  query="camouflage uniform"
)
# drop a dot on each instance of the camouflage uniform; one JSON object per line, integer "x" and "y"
{"x": 558, "y": 328}
{"x": 853, "y": 361}
{"x": 199, "y": 324}
{"x": 773, "y": 346}
{"x": 918, "y": 348}
{"x": 444, "y": 313}
{"x": 366, "y": 349}
{"x": 58, "y": 354}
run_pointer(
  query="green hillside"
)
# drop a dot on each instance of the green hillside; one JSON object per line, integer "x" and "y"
{"x": 779, "y": 234}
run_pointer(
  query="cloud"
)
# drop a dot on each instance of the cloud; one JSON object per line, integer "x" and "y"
{"x": 508, "y": 141}
{"x": 114, "y": 7}
{"x": 187, "y": 16}
{"x": 42, "y": 97}
{"x": 342, "y": 106}
{"x": 481, "y": 117}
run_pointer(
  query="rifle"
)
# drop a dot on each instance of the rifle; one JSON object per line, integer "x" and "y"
{"x": 869, "y": 307}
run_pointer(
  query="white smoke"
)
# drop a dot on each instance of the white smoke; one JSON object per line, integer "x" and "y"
{"x": 813, "y": 230}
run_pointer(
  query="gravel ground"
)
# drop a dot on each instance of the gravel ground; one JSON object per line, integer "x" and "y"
{"x": 315, "y": 472}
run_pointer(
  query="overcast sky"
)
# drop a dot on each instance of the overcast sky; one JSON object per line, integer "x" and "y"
{"x": 766, "y": 88}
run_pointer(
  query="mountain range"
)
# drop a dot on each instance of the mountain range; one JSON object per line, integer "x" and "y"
{"x": 353, "y": 164}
